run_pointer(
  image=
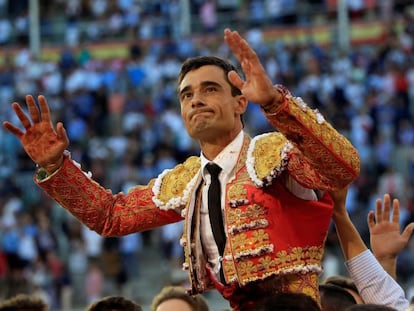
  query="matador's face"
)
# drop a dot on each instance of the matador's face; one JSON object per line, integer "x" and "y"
{"x": 208, "y": 109}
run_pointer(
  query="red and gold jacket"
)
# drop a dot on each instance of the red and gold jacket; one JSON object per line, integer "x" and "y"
{"x": 271, "y": 234}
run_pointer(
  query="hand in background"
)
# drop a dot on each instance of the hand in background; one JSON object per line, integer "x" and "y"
{"x": 386, "y": 238}
{"x": 42, "y": 143}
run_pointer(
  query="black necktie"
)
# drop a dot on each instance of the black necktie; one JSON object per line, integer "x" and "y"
{"x": 214, "y": 207}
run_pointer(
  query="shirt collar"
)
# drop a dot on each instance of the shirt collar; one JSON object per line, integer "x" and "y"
{"x": 227, "y": 158}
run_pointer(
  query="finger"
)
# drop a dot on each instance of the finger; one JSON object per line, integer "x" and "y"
{"x": 371, "y": 219}
{"x": 387, "y": 207}
{"x": 396, "y": 211}
{"x": 13, "y": 129}
{"x": 231, "y": 38}
{"x": 235, "y": 79}
{"x": 33, "y": 110}
{"x": 408, "y": 231}
{"x": 44, "y": 108}
{"x": 239, "y": 46}
{"x": 61, "y": 132}
{"x": 24, "y": 120}
{"x": 378, "y": 210}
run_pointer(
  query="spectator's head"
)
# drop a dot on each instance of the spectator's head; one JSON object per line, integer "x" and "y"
{"x": 175, "y": 298}
{"x": 23, "y": 302}
{"x": 287, "y": 302}
{"x": 335, "y": 298}
{"x": 347, "y": 284}
{"x": 114, "y": 303}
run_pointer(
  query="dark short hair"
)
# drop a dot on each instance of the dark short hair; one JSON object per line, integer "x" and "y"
{"x": 334, "y": 297}
{"x": 194, "y": 63}
{"x": 370, "y": 307}
{"x": 24, "y": 302}
{"x": 287, "y": 302}
{"x": 342, "y": 281}
{"x": 111, "y": 303}
{"x": 196, "y": 302}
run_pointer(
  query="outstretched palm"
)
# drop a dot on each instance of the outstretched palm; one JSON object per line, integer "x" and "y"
{"x": 42, "y": 143}
{"x": 387, "y": 241}
{"x": 258, "y": 87}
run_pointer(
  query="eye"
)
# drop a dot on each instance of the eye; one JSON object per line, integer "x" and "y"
{"x": 186, "y": 95}
{"x": 211, "y": 89}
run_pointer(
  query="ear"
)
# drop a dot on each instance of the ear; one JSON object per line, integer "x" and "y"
{"x": 241, "y": 104}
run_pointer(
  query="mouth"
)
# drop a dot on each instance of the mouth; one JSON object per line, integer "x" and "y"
{"x": 201, "y": 112}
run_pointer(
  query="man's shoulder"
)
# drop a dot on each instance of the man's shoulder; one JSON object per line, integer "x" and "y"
{"x": 171, "y": 188}
{"x": 274, "y": 139}
{"x": 267, "y": 157}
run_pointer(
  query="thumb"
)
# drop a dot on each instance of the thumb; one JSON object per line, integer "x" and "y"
{"x": 235, "y": 79}
{"x": 61, "y": 132}
{"x": 408, "y": 231}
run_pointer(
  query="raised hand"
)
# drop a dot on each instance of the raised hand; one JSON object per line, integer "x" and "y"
{"x": 339, "y": 200}
{"x": 386, "y": 238}
{"x": 257, "y": 87}
{"x": 42, "y": 143}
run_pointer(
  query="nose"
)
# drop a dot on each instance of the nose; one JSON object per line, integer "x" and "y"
{"x": 197, "y": 100}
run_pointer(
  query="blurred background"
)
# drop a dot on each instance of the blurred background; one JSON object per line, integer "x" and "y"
{"x": 108, "y": 69}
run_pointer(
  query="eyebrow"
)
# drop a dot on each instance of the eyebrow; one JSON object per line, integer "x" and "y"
{"x": 203, "y": 84}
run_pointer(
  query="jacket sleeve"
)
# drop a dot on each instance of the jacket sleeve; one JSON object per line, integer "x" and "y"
{"x": 98, "y": 208}
{"x": 321, "y": 158}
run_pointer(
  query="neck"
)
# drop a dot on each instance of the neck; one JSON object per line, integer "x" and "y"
{"x": 212, "y": 148}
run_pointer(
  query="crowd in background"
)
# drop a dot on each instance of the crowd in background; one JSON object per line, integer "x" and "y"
{"x": 75, "y": 22}
{"x": 123, "y": 120}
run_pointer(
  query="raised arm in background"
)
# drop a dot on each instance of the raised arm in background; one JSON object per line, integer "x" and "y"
{"x": 374, "y": 284}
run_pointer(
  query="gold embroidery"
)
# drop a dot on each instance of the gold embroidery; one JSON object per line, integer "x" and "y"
{"x": 282, "y": 258}
{"x": 249, "y": 241}
{"x": 239, "y": 216}
{"x": 236, "y": 191}
{"x": 284, "y": 262}
{"x": 175, "y": 182}
{"x": 229, "y": 270}
{"x": 268, "y": 149}
{"x": 246, "y": 268}
{"x": 330, "y": 152}
{"x": 303, "y": 283}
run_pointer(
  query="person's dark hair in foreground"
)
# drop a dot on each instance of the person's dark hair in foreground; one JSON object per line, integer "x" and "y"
{"x": 195, "y": 302}
{"x": 370, "y": 307}
{"x": 347, "y": 284}
{"x": 23, "y": 302}
{"x": 114, "y": 303}
{"x": 287, "y": 302}
{"x": 335, "y": 298}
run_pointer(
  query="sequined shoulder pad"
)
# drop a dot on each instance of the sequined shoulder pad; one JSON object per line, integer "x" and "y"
{"x": 173, "y": 186}
{"x": 267, "y": 157}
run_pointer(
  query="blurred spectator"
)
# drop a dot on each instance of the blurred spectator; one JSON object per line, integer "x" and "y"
{"x": 24, "y": 302}
{"x": 114, "y": 303}
{"x": 175, "y": 298}
{"x": 6, "y": 30}
{"x": 208, "y": 16}
{"x": 94, "y": 281}
{"x": 287, "y": 302}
